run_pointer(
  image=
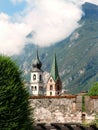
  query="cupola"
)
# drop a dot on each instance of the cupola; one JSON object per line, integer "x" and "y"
{"x": 37, "y": 63}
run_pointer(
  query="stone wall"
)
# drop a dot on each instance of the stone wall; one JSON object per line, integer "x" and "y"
{"x": 94, "y": 104}
{"x": 91, "y": 104}
{"x": 79, "y": 103}
{"x": 63, "y": 109}
{"x": 58, "y": 110}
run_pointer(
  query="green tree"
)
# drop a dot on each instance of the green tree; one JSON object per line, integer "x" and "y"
{"x": 14, "y": 104}
{"x": 94, "y": 90}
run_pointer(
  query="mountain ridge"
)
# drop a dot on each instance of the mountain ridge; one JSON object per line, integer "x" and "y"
{"x": 77, "y": 56}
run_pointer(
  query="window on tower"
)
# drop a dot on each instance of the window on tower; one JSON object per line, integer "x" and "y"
{"x": 50, "y": 93}
{"x": 50, "y": 80}
{"x": 32, "y": 88}
{"x": 34, "y": 77}
{"x": 51, "y": 87}
{"x": 40, "y": 78}
{"x": 58, "y": 93}
{"x": 35, "y": 88}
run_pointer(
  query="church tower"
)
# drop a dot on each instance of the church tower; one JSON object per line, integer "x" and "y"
{"x": 54, "y": 84}
{"x": 36, "y": 83}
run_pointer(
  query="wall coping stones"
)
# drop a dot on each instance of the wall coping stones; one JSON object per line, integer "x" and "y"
{"x": 50, "y": 97}
{"x": 94, "y": 97}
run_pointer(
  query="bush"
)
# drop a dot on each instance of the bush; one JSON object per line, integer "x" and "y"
{"x": 14, "y": 104}
{"x": 94, "y": 90}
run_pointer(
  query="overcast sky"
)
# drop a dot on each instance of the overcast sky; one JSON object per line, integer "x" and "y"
{"x": 49, "y": 21}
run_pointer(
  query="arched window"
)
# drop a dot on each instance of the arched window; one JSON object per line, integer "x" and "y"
{"x": 50, "y": 93}
{"x": 32, "y": 88}
{"x": 51, "y": 87}
{"x": 34, "y": 77}
{"x": 50, "y": 80}
{"x": 35, "y": 88}
{"x": 40, "y": 78}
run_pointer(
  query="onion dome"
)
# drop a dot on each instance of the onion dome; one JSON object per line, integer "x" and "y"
{"x": 37, "y": 63}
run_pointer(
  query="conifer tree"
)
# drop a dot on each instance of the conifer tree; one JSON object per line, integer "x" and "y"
{"x": 14, "y": 103}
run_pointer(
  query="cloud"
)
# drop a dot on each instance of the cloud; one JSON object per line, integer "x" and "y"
{"x": 50, "y": 21}
{"x": 12, "y": 35}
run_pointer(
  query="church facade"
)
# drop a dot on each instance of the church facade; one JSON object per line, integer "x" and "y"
{"x": 52, "y": 87}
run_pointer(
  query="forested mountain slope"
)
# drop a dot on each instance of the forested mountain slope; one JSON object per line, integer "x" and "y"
{"x": 77, "y": 55}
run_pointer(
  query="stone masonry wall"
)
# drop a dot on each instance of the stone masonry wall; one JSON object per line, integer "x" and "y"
{"x": 91, "y": 104}
{"x": 63, "y": 109}
{"x": 58, "y": 110}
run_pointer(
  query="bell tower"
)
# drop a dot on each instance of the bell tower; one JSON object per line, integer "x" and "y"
{"x": 54, "y": 84}
{"x": 36, "y": 82}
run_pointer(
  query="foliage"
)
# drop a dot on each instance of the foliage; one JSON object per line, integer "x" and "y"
{"x": 94, "y": 90}
{"x": 14, "y": 104}
{"x": 93, "y": 123}
{"x": 96, "y": 119}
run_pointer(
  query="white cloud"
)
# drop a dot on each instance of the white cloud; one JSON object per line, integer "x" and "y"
{"x": 12, "y": 35}
{"x": 52, "y": 21}
{"x": 49, "y": 20}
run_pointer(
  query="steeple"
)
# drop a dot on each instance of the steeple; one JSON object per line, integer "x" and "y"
{"x": 54, "y": 69}
{"x": 54, "y": 84}
{"x": 36, "y": 82}
{"x": 37, "y": 63}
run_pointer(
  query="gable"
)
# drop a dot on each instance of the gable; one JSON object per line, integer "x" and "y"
{"x": 50, "y": 80}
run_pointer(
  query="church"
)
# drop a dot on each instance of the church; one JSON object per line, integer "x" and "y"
{"x": 53, "y": 86}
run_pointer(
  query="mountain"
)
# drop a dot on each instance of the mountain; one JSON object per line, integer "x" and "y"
{"x": 77, "y": 56}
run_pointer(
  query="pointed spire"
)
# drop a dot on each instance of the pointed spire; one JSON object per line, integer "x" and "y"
{"x": 54, "y": 69}
{"x": 37, "y": 63}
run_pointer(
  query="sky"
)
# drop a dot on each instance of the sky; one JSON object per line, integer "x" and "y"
{"x": 48, "y": 22}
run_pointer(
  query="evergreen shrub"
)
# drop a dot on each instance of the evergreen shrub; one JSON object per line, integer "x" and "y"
{"x": 14, "y": 103}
